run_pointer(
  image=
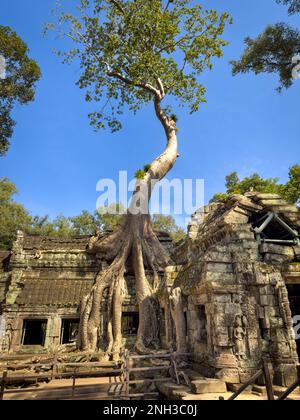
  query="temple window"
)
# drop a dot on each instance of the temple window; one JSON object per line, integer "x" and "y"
{"x": 34, "y": 332}
{"x": 69, "y": 331}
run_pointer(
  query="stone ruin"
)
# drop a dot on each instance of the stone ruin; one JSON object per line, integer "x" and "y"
{"x": 236, "y": 279}
{"x": 42, "y": 283}
{"x": 239, "y": 278}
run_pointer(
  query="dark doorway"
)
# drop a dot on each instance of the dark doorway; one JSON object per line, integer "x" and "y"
{"x": 69, "y": 330}
{"x": 34, "y": 332}
{"x": 130, "y": 323}
{"x": 294, "y": 298}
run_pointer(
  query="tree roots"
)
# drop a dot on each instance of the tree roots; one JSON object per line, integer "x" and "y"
{"x": 134, "y": 240}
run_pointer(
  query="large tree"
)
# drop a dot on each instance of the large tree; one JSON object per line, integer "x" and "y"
{"x": 273, "y": 51}
{"x": 13, "y": 216}
{"x": 17, "y": 81}
{"x": 134, "y": 53}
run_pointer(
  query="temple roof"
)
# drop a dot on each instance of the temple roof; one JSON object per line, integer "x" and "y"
{"x": 54, "y": 292}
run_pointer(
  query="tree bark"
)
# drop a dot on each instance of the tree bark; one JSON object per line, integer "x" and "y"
{"x": 177, "y": 311}
{"x": 136, "y": 238}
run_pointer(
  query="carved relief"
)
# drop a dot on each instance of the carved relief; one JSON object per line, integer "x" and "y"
{"x": 240, "y": 337}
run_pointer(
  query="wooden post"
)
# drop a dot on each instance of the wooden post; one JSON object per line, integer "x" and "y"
{"x": 54, "y": 367}
{"x": 2, "y": 385}
{"x": 268, "y": 381}
{"x": 245, "y": 385}
{"x": 74, "y": 382}
{"x": 127, "y": 374}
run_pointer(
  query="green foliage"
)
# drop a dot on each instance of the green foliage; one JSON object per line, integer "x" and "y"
{"x": 85, "y": 224}
{"x": 167, "y": 224}
{"x": 123, "y": 46}
{"x": 174, "y": 117}
{"x": 273, "y": 50}
{"x": 139, "y": 174}
{"x": 110, "y": 217}
{"x": 18, "y": 87}
{"x": 219, "y": 198}
{"x": 147, "y": 168}
{"x": 255, "y": 182}
{"x": 13, "y": 216}
{"x": 289, "y": 191}
{"x": 294, "y": 5}
{"x": 41, "y": 226}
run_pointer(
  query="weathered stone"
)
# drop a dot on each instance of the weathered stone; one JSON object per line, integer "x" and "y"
{"x": 267, "y": 248}
{"x": 261, "y": 390}
{"x": 220, "y": 268}
{"x": 172, "y": 391}
{"x": 267, "y": 290}
{"x": 222, "y": 298}
{"x": 217, "y": 257}
{"x": 208, "y": 386}
{"x": 193, "y": 375}
{"x": 266, "y": 196}
{"x": 277, "y": 259}
{"x": 297, "y": 250}
{"x": 236, "y": 386}
{"x": 226, "y": 361}
{"x": 267, "y": 300}
{"x": 237, "y": 306}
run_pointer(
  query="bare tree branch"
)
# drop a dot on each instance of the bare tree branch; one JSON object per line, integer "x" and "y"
{"x": 145, "y": 86}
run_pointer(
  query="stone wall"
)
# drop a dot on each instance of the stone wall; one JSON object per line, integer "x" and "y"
{"x": 236, "y": 299}
{"x": 47, "y": 279}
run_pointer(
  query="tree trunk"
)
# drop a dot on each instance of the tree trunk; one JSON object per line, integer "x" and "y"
{"x": 177, "y": 311}
{"x": 136, "y": 238}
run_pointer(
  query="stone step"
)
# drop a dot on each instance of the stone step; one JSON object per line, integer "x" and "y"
{"x": 193, "y": 375}
{"x": 207, "y": 386}
{"x": 259, "y": 390}
{"x": 235, "y": 387}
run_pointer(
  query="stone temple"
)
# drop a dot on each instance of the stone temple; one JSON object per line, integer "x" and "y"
{"x": 236, "y": 277}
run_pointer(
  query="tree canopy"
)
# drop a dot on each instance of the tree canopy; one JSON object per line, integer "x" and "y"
{"x": 13, "y": 216}
{"x": 289, "y": 191}
{"x": 18, "y": 85}
{"x": 273, "y": 50}
{"x": 130, "y": 49}
{"x": 294, "y": 5}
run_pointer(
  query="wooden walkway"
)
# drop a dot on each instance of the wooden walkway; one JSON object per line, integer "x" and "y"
{"x": 92, "y": 380}
{"x": 62, "y": 389}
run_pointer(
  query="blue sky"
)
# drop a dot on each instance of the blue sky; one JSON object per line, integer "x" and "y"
{"x": 56, "y": 159}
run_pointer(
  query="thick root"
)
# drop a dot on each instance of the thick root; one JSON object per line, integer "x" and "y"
{"x": 177, "y": 310}
{"x": 135, "y": 238}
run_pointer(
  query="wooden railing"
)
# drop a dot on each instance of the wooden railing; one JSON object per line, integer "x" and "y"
{"x": 52, "y": 374}
{"x": 122, "y": 371}
{"x": 292, "y": 388}
{"x": 172, "y": 369}
{"x": 265, "y": 372}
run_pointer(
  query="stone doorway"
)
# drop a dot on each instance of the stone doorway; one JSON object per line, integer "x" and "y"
{"x": 130, "y": 323}
{"x": 294, "y": 298}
